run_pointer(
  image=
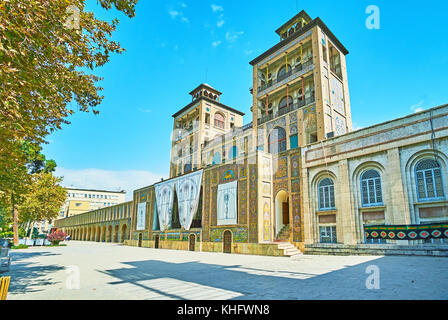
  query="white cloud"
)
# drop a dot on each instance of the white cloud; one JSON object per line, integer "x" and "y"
{"x": 220, "y": 23}
{"x": 233, "y": 36}
{"x": 174, "y": 13}
{"x": 128, "y": 180}
{"x": 144, "y": 110}
{"x": 418, "y": 107}
{"x": 248, "y": 52}
{"x": 216, "y": 43}
{"x": 217, "y": 8}
{"x": 179, "y": 14}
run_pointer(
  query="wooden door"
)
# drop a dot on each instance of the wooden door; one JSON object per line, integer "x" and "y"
{"x": 156, "y": 244}
{"x": 192, "y": 242}
{"x": 285, "y": 213}
{"x": 227, "y": 239}
{"x": 140, "y": 239}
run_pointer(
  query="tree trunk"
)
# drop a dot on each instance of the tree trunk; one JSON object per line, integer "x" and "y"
{"x": 15, "y": 224}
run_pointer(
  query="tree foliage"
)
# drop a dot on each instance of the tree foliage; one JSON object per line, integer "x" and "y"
{"x": 44, "y": 65}
{"x": 44, "y": 199}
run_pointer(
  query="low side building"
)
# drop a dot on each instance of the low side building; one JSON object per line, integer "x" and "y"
{"x": 385, "y": 184}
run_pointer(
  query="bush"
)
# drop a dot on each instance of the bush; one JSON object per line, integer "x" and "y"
{"x": 56, "y": 237}
{"x": 20, "y": 246}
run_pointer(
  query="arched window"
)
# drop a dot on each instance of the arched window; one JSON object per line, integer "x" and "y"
{"x": 429, "y": 180}
{"x": 284, "y": 102}
{"x": 326, "y": 195}
{"x": 283, "y": 72}
{"x": 233, "y": 153}
{"x": 277, "y": 140}
{"x": 216, "y": 158}
{"x": 371, "y": 192}
{"x": 219, "y": 120}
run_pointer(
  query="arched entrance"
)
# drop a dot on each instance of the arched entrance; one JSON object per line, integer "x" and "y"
{"x": 140, "y": 240}
{"x": 281, "y": 215}
{"x": 123, "y": 233}
{"x": 192, "y": 242}
{"x": 156, "y": 242}
{"x": 227, "y": 241}
{"x": 93, "y": 237}
{"x": 98, "y": 234}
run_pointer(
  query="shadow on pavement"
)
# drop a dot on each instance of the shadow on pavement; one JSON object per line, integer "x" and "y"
{"x": 399, "y": 278}
{"x": 27, "y": 276}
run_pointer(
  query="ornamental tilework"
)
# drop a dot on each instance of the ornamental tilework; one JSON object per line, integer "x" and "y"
{"x": 243, "y": 172}
{"x": 206, "y": 215}
{"x": 292, "y": 117}
{"x": 214, "y": 212}
{"x": 409, "y": 232}
{"x": 295, "y": 185}
{"x": 228, "y": 174}
{"x": 293, "y": 129}
{"x": 296, "y": 230}
{"x": 281, "y": 185}
{"x": 310, "y": 119}
{"x": 239, "y": 234}
{"x": 281, "y": 168}
{"x": 276, "y": 123}
{"x": 253, "y": 223}
{"x": 242, "y": 199}
{"x": 295, "y": 166}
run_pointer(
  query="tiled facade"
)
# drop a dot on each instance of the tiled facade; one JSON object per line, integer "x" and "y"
{"x": 303, "y": 177}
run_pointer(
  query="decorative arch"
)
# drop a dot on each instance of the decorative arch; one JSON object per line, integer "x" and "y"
{"x": 411, "y": 178}
{"x": 283, "y": 71}
{"x": 357, "y": 179}
{"x": 285, "y": 102}
{"x": 277, "y": 140}
{"x": 219, "y": 120}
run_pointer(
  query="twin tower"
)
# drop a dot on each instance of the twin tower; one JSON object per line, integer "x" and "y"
{"x": 302, "y": 79}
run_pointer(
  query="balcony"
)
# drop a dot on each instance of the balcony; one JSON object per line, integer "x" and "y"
{"x": 298, "y": 104}
{"x": 279, "y": 81}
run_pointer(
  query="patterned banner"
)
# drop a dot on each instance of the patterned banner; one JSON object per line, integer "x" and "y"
{"x": 410, "y": 232}
{"x": 227, "y": 208}
{"x": 165, "y": 200}
{"x": 188, "y": 189}
{"x": 141, "y": 214}
{"x": 188, "y": 192}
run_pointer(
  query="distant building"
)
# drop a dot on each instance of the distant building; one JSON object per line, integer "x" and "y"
{"x": 84, "y": 200}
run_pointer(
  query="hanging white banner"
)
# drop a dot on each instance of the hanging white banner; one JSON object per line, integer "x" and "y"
{"x": 227, "y": 204}
{"x": 188, "y": 189}
{"x": 141, "y": 215}
{"x": 165, "y": 198}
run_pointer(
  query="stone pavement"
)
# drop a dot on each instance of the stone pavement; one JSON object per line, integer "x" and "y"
{"x": 112, "y": 272}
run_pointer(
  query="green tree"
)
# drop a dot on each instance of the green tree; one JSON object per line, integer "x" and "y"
{"x": 43, "y": 200}
{"x": 48, "y": 51}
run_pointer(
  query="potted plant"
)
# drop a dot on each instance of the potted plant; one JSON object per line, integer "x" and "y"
{"x": 56, "y": 237}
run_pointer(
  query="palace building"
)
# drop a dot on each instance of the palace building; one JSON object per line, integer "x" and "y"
{"x": 297, "y": 178}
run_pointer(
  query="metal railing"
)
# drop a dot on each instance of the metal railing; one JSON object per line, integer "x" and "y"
{"x": 296, "y": 105}
{"x": 285, "y": 75}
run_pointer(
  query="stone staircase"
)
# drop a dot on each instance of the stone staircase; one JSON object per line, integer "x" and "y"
{"x": 289, "y": 249}
{"x": 283, "y": 235}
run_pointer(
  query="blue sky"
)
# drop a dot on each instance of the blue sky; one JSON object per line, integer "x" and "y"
{"x": 173, "y": 46}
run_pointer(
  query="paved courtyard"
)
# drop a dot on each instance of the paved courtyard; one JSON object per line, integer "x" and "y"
{"x": 113, "y": 271}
